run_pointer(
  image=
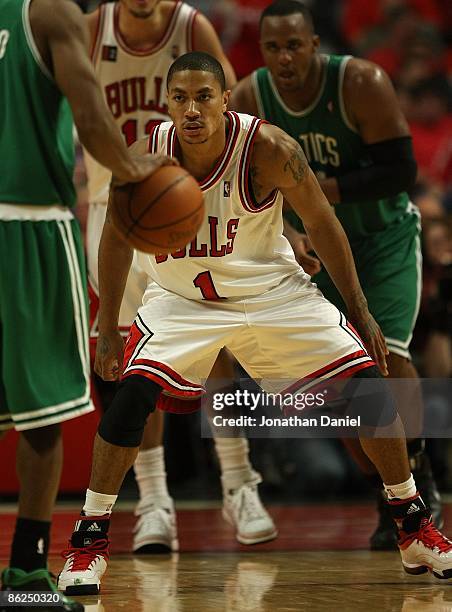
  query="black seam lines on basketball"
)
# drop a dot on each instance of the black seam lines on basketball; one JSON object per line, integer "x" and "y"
{"x": 157, "y": 244}
{"x": 136, "y": 222}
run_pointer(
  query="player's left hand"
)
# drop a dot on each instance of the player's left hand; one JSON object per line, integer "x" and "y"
{"x": 109, "y": 355}
{"x": 373, "y": 338}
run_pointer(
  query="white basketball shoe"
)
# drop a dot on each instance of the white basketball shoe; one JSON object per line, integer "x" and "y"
{"x": 155, "y": 530}
{"x": 86, "y": 557}
{"x": 243, "y": 509}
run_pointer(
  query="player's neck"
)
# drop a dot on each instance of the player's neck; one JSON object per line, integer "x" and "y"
{"x": 201, "y": 159}
{"x": 301, "y": 98}
{"x": 143, "y": 33}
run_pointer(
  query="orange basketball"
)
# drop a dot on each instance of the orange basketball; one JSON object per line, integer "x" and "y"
{"x": 160, "y": 214}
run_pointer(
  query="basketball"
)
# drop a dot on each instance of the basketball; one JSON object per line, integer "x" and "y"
{"x": 161, "y": 214}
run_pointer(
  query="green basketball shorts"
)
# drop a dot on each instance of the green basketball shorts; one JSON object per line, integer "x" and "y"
{"x": 44, "y": 360}
{"x": 389, "y": 269}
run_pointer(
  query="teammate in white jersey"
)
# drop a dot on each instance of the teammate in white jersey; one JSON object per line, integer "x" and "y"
{"x": 133, "y": 44}
{"x": 237, "y": 285}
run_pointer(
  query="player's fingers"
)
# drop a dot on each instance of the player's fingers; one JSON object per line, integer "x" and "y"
{"x": 307, "y": 242}
{"x": 379, "y": 356}
{"x": 310, "y": 264}
{"x": 109, "y": 370}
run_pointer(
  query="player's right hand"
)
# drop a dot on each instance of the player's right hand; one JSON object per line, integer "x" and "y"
{"x": 373, "y": 338}
{"x": 145, "y": 165}
{"x": 301, "y": 248}
{"x": 109, "y": 355}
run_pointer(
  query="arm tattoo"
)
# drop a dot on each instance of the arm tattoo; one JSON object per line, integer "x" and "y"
{"x": 297, "y": 165}
{"x": 257, "y": 187}
{"x": 103, "y": 346}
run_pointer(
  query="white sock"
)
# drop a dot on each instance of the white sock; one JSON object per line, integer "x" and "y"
{"x": 150, "y": 473}
{"x": 236, "y": 469}
{"x": 97, "y": 504}
{"x": 404, "y": 490}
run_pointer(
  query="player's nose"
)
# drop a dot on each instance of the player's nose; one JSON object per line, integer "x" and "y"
{"x": 284, "y": 56}
{"x": 192, "y": 109}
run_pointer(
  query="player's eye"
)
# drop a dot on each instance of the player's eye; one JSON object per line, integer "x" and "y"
{"x": 293, "y": 46}
{"x": 178, "y": 98}
{"x": 272, "y": 48}
{"x": 205, "y": 97}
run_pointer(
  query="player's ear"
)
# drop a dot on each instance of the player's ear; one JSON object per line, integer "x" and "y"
{"x": 226, "y": 95}
{"x": 315, "y": 42}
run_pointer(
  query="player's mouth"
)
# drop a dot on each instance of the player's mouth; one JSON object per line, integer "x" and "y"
{"x": 193, "y": 128}
{"x": 286, "y": 75}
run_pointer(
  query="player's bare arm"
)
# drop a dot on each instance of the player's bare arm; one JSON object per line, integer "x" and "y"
{"x": 372, "y": 108}
{"x": 371, "y": 102}
{"x": 280, "y": 159}
{"x": 62, "y": 38}
{"x": 206, "y": 39}
{"x": 242, "y": 98}
{"x": 92, "y": 21}
{"x": 115, "y": 259}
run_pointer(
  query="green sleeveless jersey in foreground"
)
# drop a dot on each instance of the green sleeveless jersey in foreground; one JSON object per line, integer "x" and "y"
{"x": 36, "y": 143}
{"x": 332, "y": 146}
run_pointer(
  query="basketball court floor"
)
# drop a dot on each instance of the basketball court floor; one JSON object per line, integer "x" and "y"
{"x": 319, "y": 562}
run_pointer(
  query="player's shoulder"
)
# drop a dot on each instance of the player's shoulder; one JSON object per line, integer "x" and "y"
{"x": 243, "y": 99}
{"x": 361, "y": 73}
{"x": 273, "y": 143}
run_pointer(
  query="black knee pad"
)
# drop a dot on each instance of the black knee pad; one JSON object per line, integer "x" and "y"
{"x": 370, "y": 398}
{"x": 124, "y": 421}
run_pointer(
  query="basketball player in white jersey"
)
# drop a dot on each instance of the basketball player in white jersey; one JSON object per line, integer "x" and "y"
{"x": 133, "y": 44}
{"x": 238, "y": 285}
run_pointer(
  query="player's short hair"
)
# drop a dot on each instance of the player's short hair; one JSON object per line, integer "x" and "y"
{"x": 197, "y": 60}
{"x": 282, "y": 8}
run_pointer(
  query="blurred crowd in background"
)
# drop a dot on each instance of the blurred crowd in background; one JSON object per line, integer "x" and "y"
{"x": 411, "y": 40}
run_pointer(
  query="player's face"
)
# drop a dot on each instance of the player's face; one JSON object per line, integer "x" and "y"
{"x": 142, "y": 9}
{"x": 288, "y": 46}
{"x": 196, "y": 104}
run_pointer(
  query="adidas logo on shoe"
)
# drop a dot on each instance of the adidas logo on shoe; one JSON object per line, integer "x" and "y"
{"x": 413, "y": 508}
{"x": 94, "y": 527}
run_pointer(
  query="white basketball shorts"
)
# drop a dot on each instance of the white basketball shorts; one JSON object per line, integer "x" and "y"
{"x": 290, "y": 334}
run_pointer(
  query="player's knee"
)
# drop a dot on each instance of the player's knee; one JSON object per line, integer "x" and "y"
{"x": 43, "y": 439}
{"x": 371, "y": 399}
{"x": 124, "y": 421}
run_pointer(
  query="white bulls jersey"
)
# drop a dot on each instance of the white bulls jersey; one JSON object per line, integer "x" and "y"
{"x": 134, "y": 82}
{"x": 239, "y": 250}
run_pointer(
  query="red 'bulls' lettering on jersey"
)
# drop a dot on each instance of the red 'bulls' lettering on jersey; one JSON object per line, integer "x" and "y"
{"x": 134, "y": 94}
{"x": 214, "y": 250}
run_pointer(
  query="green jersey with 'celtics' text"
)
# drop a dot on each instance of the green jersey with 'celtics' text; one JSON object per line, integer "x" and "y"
{"x": 36, "y": 142}
{"x": 332, "y": 146}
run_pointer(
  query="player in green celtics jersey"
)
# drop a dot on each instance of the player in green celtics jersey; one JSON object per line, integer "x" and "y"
{"x": 46, "y": 79}
{"x": 345, "y": 114}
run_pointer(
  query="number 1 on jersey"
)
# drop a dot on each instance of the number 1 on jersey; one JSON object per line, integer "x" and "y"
{"x": 204, "y": 283}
